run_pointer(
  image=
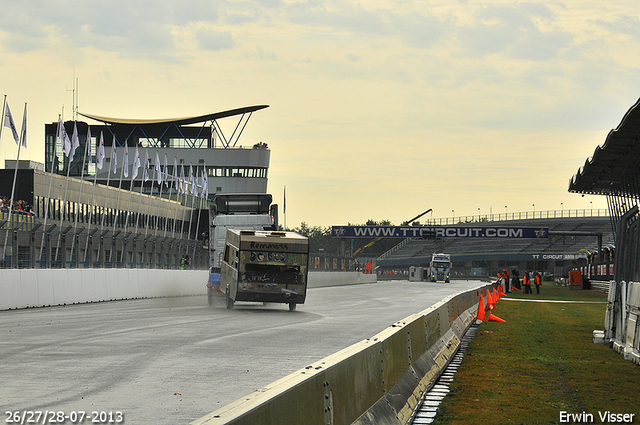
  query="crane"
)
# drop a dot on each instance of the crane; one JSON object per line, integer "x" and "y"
{"x": 405, "y": 223}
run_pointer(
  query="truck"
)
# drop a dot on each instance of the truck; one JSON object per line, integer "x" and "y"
{"x": 265, "y": 266}
{"x": 440, "y": 267}
{"x": 241, "y": 211}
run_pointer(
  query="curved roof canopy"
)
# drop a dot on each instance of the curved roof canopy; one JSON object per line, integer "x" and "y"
{"x": 177, "y": 121}
{"x": 615, "y": 166}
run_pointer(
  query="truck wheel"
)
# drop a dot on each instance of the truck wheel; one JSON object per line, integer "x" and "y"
{"x": 292, "y": 306}
{"x": 229, "y": 300}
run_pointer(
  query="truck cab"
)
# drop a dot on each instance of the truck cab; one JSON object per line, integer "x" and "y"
{"x": 440, "y": 267}
{"x": 241, "y": 211}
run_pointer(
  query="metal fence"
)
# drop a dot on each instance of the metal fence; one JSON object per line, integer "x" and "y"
{"x": 26, "y": 243}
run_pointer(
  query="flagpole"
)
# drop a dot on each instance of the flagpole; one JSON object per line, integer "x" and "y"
{"x": 142, "y": 182}
{"x": 146, "y": 226}
{"x": 64, "y": 201}
{"x": 203, "y": 196}
{"x": 93, "y": 194}
{"x": 113, "y": 157}
{"x": 166, "y": 224}
{"x": 126, "y": 222}
{"x": 13, "y": 186}
{"x": 158, "y": 174}
{"x": 115, "y": 221}
{"x": 46, "y": 208}
{"x": 75, "y": 224}
{"x": 183, "y": 190}
{"x": 192, "y": 183}
{"x": 175, "y": 215}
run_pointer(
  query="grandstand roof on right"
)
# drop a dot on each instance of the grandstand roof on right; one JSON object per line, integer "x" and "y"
{"x": 613, "y": 169}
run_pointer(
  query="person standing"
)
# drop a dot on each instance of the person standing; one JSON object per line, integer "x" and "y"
{"x": 526, "y": 283}
{"x": 507, "y": 278}
{"x": 515, "y": 279}
{"x": 537, "y": 278}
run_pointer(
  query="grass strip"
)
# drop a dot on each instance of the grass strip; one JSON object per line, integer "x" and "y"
{"x": 540, "y": 363}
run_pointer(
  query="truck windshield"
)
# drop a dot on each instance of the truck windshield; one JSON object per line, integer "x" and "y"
{"x": 441, "y": 264}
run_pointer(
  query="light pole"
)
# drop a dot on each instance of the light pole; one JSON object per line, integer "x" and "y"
{"x": 505, "y": 212}
{"x": 561, "y": 210}
{"x": 478, "y": 214}
{"x": 591, "y": 203}
{"x": 453, "y": 218}
{"x": 534, "y": 210}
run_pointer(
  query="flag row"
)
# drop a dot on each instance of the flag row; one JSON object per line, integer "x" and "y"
{"x": 160, "y": 174}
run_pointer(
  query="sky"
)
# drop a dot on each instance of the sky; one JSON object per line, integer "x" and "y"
{"x": 377, "y": 110}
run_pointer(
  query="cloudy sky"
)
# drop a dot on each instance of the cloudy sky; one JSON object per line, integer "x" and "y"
{"x": 378, "y": 110}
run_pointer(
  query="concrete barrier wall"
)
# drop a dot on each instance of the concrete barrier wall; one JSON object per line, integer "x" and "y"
{"x": 322, "y": 279}
{"x": 24, "y": 288}
{"x": 48, "y": 287}
{"x": 375, "y": 381}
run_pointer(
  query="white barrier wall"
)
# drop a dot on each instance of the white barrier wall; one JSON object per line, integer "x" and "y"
{"x": 24, "y": 288}
{"x": 322, "y": 279}
{"x": 622, "y": 323}
{"x": 47, "y": 287}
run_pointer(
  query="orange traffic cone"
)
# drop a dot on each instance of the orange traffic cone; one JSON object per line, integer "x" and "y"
{"x": 489, "y": 300}
{"x": 481, "y": 313}
{"x": 495, "y": 295}
{"x": 495, "y": 318}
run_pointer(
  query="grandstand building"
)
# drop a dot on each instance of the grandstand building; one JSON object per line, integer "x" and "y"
{"x": 81, "y": 215}
{"x": 572, "y": 242}
{"x": 195, "y": 143}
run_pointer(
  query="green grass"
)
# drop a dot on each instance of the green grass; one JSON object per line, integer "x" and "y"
{"x": 539, "y": 363}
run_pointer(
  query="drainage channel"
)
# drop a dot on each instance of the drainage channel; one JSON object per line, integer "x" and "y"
{"x": 426, "y": 412}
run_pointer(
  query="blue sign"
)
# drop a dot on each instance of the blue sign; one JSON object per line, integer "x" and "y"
{"x": 439, "y": 231}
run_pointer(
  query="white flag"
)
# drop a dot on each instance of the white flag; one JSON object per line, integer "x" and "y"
{"x": 75, "y": 142}
{"x": 136, "y": 164}
{"x": 183, "y": 183}
{"x": 23, "y": 134}
{"x": 125, "y": 163}
{"x": 175, "y": 173}
{"x": 158, "y": 169}
{"x": 114, "y": 156}
{"x": 64, "y": 137}
{"x": 146, "y": 166}
{"x": 205, "y": 183}
{"x": 165, "y": 172}
{"x": 8, "y": 122}
{"x": 193, "y": 189}
{"x": 89, "y": 147}
{"x": 100, "y": 154}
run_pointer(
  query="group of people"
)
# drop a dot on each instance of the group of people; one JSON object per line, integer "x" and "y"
{"x": 512, "y": 280}
{"x": 18, "y": 206}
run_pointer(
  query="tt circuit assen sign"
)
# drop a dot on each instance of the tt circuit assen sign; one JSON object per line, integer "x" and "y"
{"x": 439, "y": 232}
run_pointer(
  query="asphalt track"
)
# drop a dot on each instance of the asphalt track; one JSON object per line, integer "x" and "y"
{"x": 173, "y": 360}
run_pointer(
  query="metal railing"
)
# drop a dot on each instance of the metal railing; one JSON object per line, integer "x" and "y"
{"x": 523, "y": 215}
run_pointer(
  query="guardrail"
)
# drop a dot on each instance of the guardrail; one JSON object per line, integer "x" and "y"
{"x": 378, "y": 380}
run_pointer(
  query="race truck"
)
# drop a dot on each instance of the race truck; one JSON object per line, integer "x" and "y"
{"x": 242, "y": 211}
{"x": 440, "y": 267}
